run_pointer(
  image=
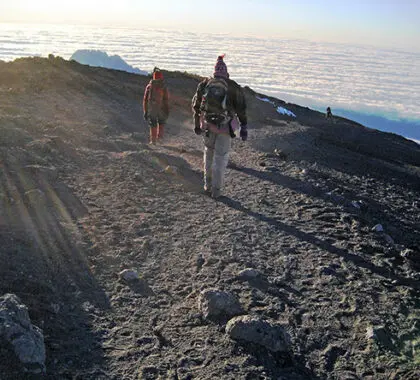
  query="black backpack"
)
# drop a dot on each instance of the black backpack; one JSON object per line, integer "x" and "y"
{"x": 214, "y": 102}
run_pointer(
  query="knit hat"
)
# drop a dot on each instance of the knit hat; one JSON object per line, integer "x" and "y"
{"x": 220, "y": 69}
{"x": 157, "y": 74}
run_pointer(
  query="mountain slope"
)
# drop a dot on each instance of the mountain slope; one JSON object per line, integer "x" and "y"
{"x": 83, "y": 197}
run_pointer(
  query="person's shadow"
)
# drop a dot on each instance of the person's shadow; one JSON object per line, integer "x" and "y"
{"x": 304, "y": 236}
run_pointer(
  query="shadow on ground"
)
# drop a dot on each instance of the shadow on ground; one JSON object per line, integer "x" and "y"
{"x": 311, "y": 239}
{"x": 44, "y": 260}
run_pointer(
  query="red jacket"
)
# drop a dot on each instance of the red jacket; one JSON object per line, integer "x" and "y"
{"x": 156, "y": 98}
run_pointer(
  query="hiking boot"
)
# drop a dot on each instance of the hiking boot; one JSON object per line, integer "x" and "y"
{"x": 207, "y": 189}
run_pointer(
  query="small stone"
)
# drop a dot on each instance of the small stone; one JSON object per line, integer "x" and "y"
{"x": 149, "y": 372}
{"x": 248, "y": 274}
{"x": 107, "y": 129}
{"x": 413, "y": 258}
{"x": 136, "y": 136}
{"x": 408, "y": 253}
{"x": 171, "y": 169}
{"x": 36, "y": 197}
{"x": 216, "y": 303}
{"x": 45, "y": 172}
{"x": 271, "y": 169}
{"x": 327, "y": 271}
{"x": 280, "y": 154}
{"x": 138, "y": 176}
{"x": 129, "y": 275}
{"x": 380, "y": 335}
{"x": 335, "y": 197}
{"x": 199, "y": 261}
{"x": 389, "y": 239}
{"x": 255, "y": 330}
{"x": 378, "y": 228}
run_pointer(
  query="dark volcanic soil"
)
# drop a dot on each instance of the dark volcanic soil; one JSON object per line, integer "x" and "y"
{"x": 83, "y": 197}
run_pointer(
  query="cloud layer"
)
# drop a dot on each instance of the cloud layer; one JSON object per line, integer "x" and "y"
{"x": 358, "y": 78}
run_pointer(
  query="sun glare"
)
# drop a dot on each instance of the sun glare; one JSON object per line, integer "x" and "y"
{"x": 48, "y": 9}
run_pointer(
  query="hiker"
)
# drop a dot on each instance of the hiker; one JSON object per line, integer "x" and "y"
{"x": 155, "y": 106}
{"x": 217, "y": 105}
{"x": 329, "y": 115}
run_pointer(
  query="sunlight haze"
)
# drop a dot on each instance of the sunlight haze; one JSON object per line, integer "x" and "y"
{"x": 390, "y": 24}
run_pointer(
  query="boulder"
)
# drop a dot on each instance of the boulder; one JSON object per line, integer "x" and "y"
{"x": 216, "y": 303}
{"x": 26, "y": 339}
{"x": 256, "y": 330}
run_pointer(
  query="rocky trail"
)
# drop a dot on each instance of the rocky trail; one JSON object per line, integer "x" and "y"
{"x": 316, "y": 240}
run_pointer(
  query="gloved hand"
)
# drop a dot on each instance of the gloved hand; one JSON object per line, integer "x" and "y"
{"x": 145, "y": 115}
{"x": 197, "y": 124}
{"x": 243, "y": 133}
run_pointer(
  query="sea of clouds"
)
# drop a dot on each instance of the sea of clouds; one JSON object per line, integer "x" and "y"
{"x": 363, "y": 80}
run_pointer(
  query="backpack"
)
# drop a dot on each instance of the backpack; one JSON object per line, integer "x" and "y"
{"x": 156, "y": 95}
{"x": 214, "y": 101}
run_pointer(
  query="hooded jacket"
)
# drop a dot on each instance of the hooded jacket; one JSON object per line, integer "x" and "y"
{"x": 156, "y": 98}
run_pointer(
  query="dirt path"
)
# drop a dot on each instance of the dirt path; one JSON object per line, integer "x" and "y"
{"x": 327, "y": 276}
{"x": 300, "y": 206}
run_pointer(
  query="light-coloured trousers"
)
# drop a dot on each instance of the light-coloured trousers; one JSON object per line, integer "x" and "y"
{"x": 216, "y": 157}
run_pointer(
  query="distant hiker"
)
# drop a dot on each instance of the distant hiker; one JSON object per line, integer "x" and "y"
{"x": 217, "y": 105}
{"x": 329, "y": 115}
{"x": 155, "y": 105}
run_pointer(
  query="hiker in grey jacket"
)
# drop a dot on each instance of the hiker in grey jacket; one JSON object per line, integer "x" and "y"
{"x": 217, "y": 105}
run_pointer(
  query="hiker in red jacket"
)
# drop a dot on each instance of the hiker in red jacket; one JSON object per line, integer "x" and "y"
{"x": 155, "y": 106}
{"x": 217, "y": 105}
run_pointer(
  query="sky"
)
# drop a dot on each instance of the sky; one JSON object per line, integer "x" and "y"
{"x": 380, "y": 23}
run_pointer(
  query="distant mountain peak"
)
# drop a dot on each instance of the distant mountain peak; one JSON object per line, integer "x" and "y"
{"x": 102, "y": 59}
